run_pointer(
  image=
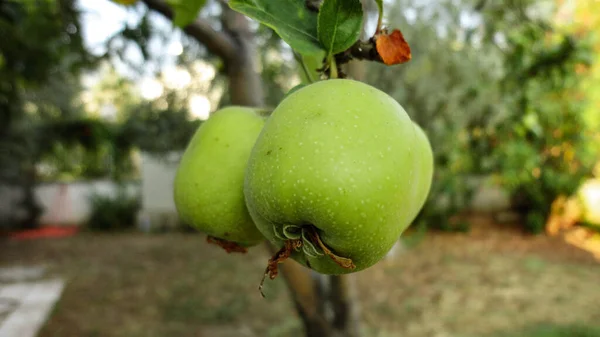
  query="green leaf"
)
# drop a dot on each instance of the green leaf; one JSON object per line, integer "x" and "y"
{"x": 290, "y": 19}
{"x": 186, "y": 11}
{"x": 339, "y": 24}
{"x": 312, "y": 62}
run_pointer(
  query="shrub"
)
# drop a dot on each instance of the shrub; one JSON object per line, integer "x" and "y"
{"x": 113, "y": 213}
{"x": 543, "y": 150}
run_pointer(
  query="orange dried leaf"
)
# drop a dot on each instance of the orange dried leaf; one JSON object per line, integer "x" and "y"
{"x": 392, "y": 48}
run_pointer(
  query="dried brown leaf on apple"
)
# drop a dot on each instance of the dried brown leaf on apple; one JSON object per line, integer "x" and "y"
{"x": 392, "y": 47}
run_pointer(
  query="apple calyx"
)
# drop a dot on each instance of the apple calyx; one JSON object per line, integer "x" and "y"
{"x": 313, "y": 237}
{"x": 228, "y": 246}
{"x": 300, "y": 237}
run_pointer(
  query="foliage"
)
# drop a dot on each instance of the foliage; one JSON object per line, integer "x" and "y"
{"x": 585, "y": 21}
{"x": 186, "y": 11}
{"x": 279, "y": 72}
{"x": 113, "y": 213}
{"x": 93, "y": 148}
{"x": 40, "y": 45}
{"x": 508, "y": 106}
{"x": 158, "y": 127}
{"x": 292, "y": 20}
{"x": 339, "y": 24}
{"x": 85, "y": 148}
{"x": 78, "y": 148}
{"x": 41, "y": 41}
{"x": 448, "y": 89}
{"x": 543, "y": 150}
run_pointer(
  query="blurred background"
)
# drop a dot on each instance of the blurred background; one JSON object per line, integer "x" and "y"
{"x": 98, "y": 99}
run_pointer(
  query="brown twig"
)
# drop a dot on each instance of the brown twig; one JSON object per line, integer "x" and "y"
{"x": 361, "y": 50}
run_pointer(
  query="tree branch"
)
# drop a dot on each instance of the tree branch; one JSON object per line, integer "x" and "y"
{"x": 305, "y": 297}
{"x": 245, "y": 85}
{"x": 346, "y": 320}
{"x": 218, "y": 43}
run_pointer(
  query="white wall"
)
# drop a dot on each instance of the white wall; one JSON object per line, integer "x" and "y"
{"x": 69, "y": 203}
{"x": 64, "y": 203}
{"x": 158, "y": 175}
{"x": 158, "y": 208}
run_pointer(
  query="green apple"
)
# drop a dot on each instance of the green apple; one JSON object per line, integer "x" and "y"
{"x": 423, "y": 175}
{"x": 208, "y": 186}
{"x": 334, "y": 169}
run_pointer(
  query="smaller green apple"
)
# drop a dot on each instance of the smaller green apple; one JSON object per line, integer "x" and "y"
{"x": 208, "y": 186}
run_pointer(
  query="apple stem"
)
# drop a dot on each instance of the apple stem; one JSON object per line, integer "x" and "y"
{"x": 229, "y": 246}
{"x": 379, "y": 22}
{"x": 333, "y": 71}
{"x": 283, "y": 254}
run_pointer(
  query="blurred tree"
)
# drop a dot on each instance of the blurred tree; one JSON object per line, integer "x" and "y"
{"x": 111, "y": 97}
{"x": 450, "y": 88}
{"x": 584, "y": 20}
{"x": 40, "y": 45}
{"x": 158, "y": 128}
{"x": 233, "y": 45}
{"x": 496, "y": 88}
{"x": 543, "y": 150}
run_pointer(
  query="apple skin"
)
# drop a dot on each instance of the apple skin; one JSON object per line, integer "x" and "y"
{"x": 423, "y": 177}
{"x": 338, "y": 155}
{"x": 208, "y": 187}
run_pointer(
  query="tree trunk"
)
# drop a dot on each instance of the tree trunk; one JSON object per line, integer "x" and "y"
{"x": 346, "y": 319}
{"x": 234, "y": 45}
{"x": 245, "y": 87}
{"x": 29, "y": 203}
{"x": 326, "y": 305}
{"x": 307, "y": 296}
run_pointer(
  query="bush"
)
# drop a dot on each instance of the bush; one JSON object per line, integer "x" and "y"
{"x": 113, "y": 213}
{"x": 448, "y": 94}
{"x": 543, "y": 148}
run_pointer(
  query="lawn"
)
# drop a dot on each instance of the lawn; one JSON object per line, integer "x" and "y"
{"x": 490, "y": 282}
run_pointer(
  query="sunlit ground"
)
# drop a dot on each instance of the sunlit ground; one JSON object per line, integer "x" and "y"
{"x": 488, "y": 282}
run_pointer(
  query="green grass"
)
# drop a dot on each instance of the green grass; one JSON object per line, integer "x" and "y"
{"x": 174, "y": 284}
{"x": 552, "y": 330}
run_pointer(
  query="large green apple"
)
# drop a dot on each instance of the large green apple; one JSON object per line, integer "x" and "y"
{"x": 423, "y": 175}
{"x": 334, "y": 170}
{"x": 208, "y": 186}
